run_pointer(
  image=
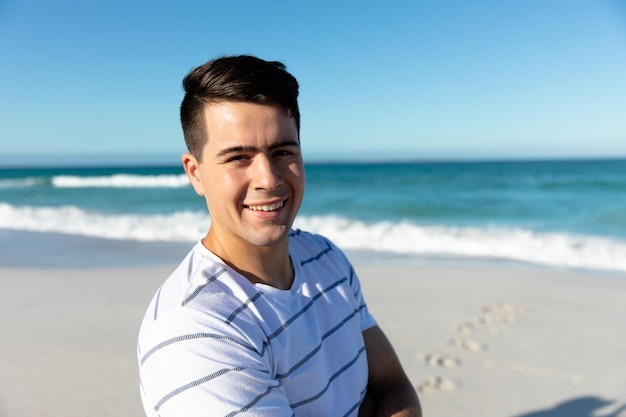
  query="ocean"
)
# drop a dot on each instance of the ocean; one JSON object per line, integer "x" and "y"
{"x": 568, "y": 214}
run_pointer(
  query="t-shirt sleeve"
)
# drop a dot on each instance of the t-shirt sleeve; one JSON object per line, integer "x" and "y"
{"x": 210, "y": 369}
{"x": 367, "y": 320}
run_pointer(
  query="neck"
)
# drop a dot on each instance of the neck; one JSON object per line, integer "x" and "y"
{"x": 260, "y": 265}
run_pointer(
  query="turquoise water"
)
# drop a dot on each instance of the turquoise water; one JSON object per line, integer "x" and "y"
{"x": 564, "y": 214}
{"x": 571, "y": 196}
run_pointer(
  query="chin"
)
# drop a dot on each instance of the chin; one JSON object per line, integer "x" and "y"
{"x": 274, "y": 238}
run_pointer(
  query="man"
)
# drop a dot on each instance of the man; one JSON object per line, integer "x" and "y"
{"x": 259, "y": 319}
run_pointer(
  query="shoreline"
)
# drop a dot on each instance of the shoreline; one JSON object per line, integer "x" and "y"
{"x": 474, "y": 341}
{"x": 46, "y": 250}
{"x": 27, "y": 249}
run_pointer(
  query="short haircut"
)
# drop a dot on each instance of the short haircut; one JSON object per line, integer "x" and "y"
{"x": 242, "y": 78}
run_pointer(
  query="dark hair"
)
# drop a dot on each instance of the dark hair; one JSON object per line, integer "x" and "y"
{"x": 234, "y": 78}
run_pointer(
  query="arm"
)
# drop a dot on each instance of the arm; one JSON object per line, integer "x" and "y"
{"x": 389, "y": 391}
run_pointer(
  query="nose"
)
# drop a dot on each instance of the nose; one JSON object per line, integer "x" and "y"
{"x": 265, "y": 175}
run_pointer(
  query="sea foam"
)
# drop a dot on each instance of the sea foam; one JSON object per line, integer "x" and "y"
{"x": 177, "y": 227}
{"x": 515, "y": 244}
{"x": 554, "y": 249}
{"x": 20, "y": 182}
{"x": 121, "y": 181}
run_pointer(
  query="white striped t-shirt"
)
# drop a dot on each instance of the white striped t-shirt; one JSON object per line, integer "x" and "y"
{"x": 214, "y": 344}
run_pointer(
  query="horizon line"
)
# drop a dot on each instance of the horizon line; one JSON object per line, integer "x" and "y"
{"x": 100, "y": 160}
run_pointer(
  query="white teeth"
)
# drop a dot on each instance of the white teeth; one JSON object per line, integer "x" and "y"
{"x": 267, "y": 207}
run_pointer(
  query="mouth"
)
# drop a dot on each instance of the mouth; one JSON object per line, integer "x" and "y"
{"x": 266, "y": 207}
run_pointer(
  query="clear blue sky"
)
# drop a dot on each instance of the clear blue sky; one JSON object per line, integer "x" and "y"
{"x": 400, "y": 79}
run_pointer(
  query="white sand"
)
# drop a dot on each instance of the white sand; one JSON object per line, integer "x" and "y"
{"x": 506, "y": 342}
{"x": 476, "y": 342}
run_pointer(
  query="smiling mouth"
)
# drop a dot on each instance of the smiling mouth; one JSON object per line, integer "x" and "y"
{"x": 266, "y": 207}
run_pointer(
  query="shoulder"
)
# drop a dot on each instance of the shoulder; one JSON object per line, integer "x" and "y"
{"x": 305, "y": 242}
{"x": 320, "y": 260}
{"x": 200, "y": 296}
{"x": 190, "y": 279}
{"x": 303, "y": 237}
{"x": 313, "y": 251}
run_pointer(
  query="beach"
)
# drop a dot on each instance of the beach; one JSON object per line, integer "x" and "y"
{"x": 475, "y": 341}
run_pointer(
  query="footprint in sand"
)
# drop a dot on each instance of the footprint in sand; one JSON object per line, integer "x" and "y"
{"x": 491, "y": 315}
{"x": 505, "y": 308}
{"x": 502, "y": 313}
{"x": 489, "y": 318}
{"x": 468, "y": 344}
{"x": 436, "y": 383}
{"x": 468, "y": 327}
{"x": 435, "y": 359}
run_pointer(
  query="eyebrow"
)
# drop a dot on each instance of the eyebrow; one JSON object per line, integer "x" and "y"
{"x": 236, "y": 149}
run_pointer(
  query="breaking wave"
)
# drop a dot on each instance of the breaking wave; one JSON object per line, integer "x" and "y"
{"x": 552, "y": 249}
{"x": 121, "y": 181}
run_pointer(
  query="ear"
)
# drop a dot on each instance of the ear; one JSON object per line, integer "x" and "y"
{"x": 192, "y": 169}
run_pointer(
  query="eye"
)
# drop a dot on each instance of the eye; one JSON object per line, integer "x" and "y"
{"x": 286, "y": 152}
{"x": 282, "y": 152}
{"x": 237, "y": 158}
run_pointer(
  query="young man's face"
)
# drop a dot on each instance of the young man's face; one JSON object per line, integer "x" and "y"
{"x": 251, "y": 174}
